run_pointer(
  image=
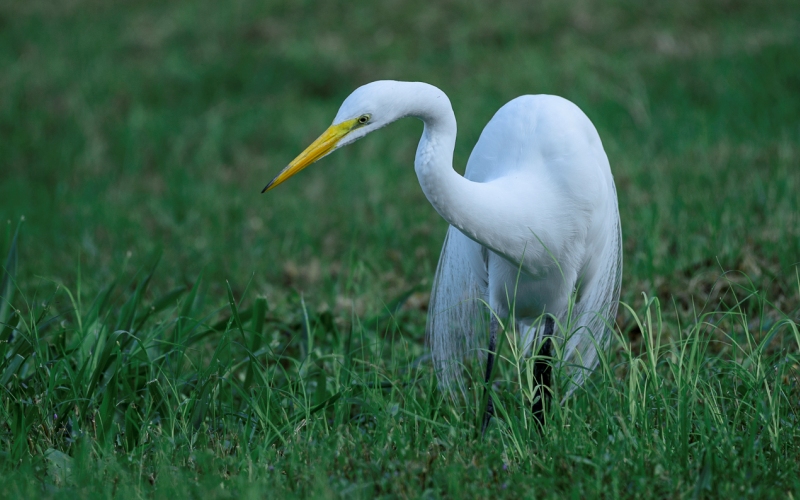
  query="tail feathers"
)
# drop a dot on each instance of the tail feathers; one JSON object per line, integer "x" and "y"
{"x": 457, "y": 310}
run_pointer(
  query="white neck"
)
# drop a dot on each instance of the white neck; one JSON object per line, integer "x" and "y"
{"x": 485, "y": 212}
{"x": 452, "y": 195}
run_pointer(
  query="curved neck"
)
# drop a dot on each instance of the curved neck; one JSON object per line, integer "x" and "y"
{"x": 451, "y": 194}
{"x": 479, "y": 210}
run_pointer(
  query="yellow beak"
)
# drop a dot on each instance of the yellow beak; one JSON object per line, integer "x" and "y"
{"x": 322, "y": 146}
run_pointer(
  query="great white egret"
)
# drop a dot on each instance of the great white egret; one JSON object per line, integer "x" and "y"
{"x": 534, "y": 224}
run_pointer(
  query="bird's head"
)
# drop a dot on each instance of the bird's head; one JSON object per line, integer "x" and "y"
{"x": 368, "y": 108}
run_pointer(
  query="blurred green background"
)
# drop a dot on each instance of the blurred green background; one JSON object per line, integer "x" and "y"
{"x": 128, "y": 127}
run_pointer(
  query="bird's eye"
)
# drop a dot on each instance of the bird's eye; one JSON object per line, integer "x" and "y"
{"x": 363, "y": 119}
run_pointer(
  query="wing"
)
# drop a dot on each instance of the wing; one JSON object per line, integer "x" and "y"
{"x": 456, "y": 312}
{"x": 595, "y": 311}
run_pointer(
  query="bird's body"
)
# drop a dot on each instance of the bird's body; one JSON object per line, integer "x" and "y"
{"x": 555, "y": 224}
{"x": 533, "y": 222}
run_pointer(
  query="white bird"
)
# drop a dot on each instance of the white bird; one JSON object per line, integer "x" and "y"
{"x": 534, "y": 224}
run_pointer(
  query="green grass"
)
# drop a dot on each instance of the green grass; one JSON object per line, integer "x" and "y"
{"x": 276, "y": 348}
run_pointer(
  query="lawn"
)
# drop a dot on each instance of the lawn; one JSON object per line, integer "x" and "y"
{"x": 167, "y": 330}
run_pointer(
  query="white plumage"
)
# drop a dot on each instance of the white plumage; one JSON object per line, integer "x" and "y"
{"x": 554, "y": 185}
{"x": 533, "y": 221}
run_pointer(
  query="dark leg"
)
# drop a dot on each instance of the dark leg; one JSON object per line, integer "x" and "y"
{"x": 542, "y": 372}
{"x": 487, "y": 415}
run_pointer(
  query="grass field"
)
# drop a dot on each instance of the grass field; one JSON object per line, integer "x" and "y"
{"x": 166, "y": 330}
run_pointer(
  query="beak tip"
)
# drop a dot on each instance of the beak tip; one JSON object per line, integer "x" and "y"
{"x": 271, "y": 185}
{"x": 321, "y": 147}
